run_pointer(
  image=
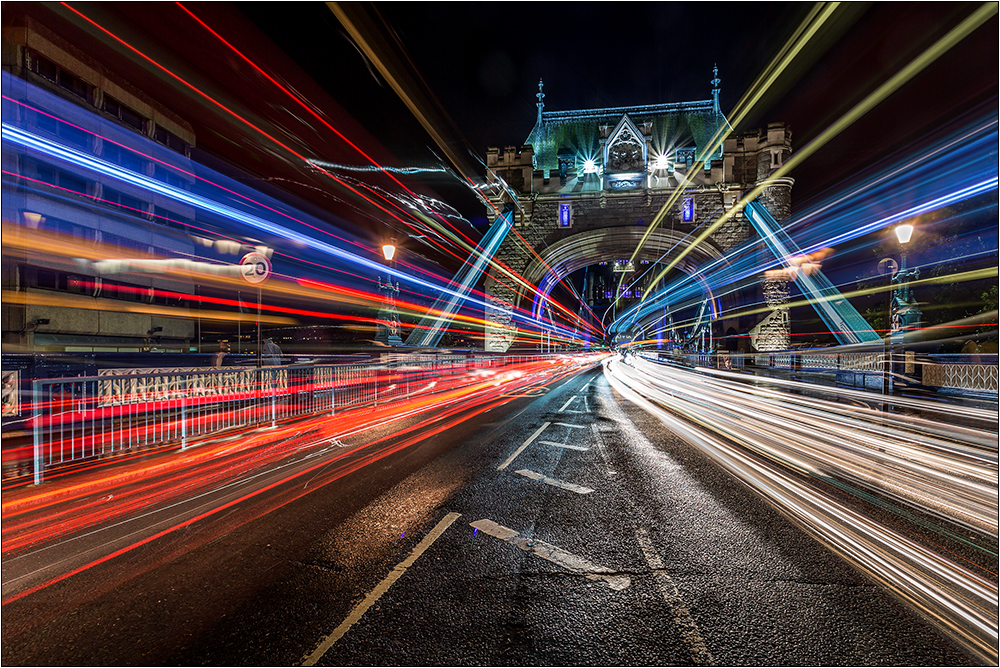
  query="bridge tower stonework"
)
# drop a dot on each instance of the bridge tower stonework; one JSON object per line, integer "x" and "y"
{"x": 586, "y": 184}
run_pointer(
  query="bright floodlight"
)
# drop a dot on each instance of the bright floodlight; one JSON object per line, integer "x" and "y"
{"x": 661, "y": 162}
{"x": 388, "y": 250}
{"x": 903, "y": 232}
{"x": 589, "y": 166}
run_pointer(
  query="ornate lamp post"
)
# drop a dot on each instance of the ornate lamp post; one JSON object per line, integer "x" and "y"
{"x": 388, "y": 317}
{"x": 903, "y": 312}
{"x": 906, "y": 314}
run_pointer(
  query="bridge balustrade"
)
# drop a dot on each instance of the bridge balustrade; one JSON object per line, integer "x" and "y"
{"x": 122, "y": 410}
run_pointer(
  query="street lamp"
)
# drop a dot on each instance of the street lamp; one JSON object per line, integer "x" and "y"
{"x": 388, "y": 330}
{"x": 903, "y": 232}
{"x": 903, "y": 313}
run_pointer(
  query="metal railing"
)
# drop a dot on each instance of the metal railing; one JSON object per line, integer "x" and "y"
{"x": 970, "y": 373}
{"x": 88, "y": 417}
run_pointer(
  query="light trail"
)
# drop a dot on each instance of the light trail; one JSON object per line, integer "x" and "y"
{"x": 802, "y": 454}
{"x": 310, "y": 110}
{"x": 953, "y": 170}
{"x": 151, "y": 185}
{"x": 820, "y": 14}
{"x": 229, "y": 112}
{"x": 977, "y": 18}
{"x": 111, "y": 497}
{"x": 47, "y": 147}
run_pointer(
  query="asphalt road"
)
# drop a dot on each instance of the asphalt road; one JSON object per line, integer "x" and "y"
{"x": 562, "y": 528}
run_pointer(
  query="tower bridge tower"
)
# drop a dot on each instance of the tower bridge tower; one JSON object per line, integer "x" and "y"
{"x": 589, "y": 182}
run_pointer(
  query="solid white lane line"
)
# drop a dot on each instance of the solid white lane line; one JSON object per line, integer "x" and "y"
{"x": 568, "y": 402}
{"x": 555, "y": 482}
{"x": 571, "y": 426}
{"x": 577, "y": 412}
{"x": 682, "y": 616}
{"x": 382, "y": 587}
{"x": 523, "y": 446}
{"x": 552, "y": 553}
{"x": 565, "y": 445}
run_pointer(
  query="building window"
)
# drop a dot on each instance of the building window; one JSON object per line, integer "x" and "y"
{"x": 170, "y": 177}
{"x": 125, "y": 114}
{"x": 54, "y": 176}
{"x": 565, "y": 215}
{"x": 170, "y": 140}
{"x": 127, "y": 201}
{"x": 48, "y": 279}
{"x": 123, "y": 157}
{"x": 68, "y": 134}
{"x": 68, "y": 81}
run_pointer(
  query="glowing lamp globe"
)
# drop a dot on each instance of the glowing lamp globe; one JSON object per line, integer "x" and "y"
{"x": 903, "y": 232}
{"x": 388, "y": 251}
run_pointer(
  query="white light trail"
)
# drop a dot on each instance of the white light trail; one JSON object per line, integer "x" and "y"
{"x": 803, "y": 454}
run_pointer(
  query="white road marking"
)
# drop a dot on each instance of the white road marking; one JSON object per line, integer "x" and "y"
{"x": 682, "y": 616}
{"x": 568, "y": 402}
{"x": 554, "y": 482}
{"x": 565, "y": 445}
{"x": 571, "y": 426}
{"x": 382, "y": 587}
{"x": 552, "y": 553}
{"x": 599, "y": 440}
{"x": 523, "y": 446}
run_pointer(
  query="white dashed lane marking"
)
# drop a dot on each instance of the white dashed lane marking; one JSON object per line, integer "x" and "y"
{"x": 539, "y": 548}
{"x": 564, "y": 445}
{"x": 523, "y": 446}
{"x": 599, "y": 442}
{"x": 685, "y": 624}
{"x": 568, "y": 402}
{"x": 555, "y": 482}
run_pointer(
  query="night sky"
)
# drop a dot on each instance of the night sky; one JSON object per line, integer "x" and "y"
{"x": 483, "y": 62}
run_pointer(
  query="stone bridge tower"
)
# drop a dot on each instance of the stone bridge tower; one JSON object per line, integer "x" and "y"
{"x": 586, "y": 184}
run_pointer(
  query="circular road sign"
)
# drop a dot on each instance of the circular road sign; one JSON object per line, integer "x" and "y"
{"x": 888, "y": 267}
{"x": 255, "y": 268}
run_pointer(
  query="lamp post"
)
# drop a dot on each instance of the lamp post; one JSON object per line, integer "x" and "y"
{"x": 903, "y": 313}
{"x": 388, "y": 318}
{"x": 907, "y": 315}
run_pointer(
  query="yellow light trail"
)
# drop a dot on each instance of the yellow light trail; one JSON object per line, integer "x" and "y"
{"x": 810, "y": 26}
{"x": 957, "y": 34}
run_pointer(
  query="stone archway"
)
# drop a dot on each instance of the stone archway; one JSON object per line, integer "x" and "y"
{"x": 580, "y": 250}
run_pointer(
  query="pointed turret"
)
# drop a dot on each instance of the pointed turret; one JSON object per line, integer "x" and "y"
{"x": 541, "y": 104}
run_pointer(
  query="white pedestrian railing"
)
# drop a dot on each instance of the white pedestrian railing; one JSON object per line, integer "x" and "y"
{"x": 970, "y": 375}
{"x": 88, "y": 417}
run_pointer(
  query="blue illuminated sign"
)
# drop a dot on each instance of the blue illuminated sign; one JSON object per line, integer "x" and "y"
{"x": 565, "y": 215}
{"x": 687, "y": 210}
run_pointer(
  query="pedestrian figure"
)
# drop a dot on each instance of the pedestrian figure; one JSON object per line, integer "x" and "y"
{"x": 271, "y": 353}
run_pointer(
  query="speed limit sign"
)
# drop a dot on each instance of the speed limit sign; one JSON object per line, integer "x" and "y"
{"x": 255, "y": 268}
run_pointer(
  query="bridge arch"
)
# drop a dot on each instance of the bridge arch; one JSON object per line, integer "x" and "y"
{"x": 608, "y": 244}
